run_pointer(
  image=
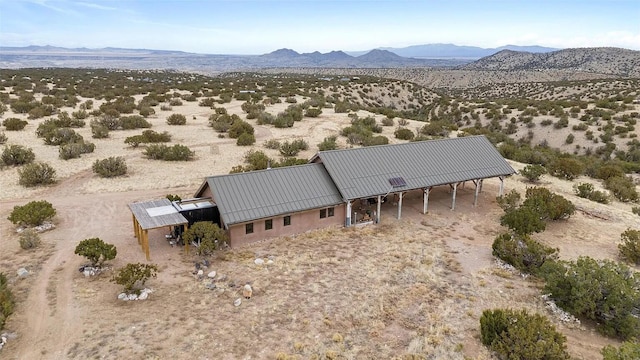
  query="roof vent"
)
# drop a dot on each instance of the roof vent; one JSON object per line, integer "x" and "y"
{"x": 397, "y": 182}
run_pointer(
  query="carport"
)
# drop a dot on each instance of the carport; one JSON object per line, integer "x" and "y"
{"x": 148, "y": 215}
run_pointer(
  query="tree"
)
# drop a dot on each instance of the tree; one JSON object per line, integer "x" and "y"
{"x": 547, "y": 205}
{"x": 17, "y": 155}
{"x": 7, "y": 302}
{"x": 627, "y": 351}
{"x": 630, "y": 246}
{"x": 517, "y": 335}
{"x": 522, "y": 252}
{"x": 208, "y": 235}
{"x": 566, "y": 168}
{"x": 134, "y": 276}
{"x": 33, "y": 213}
{"x": 587, "y": 191}
{"x": 96, "y": 250}
{"x": 533, "y": 172}
{"x": 523, "y": 221}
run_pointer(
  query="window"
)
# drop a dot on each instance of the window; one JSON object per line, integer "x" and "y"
{"x": 268, "y": 224}
{"x": 330, "y": 211}
{"x": 248, "y": 228}
{"x": 323, "y": 213}
{"x": 287, "y": 220}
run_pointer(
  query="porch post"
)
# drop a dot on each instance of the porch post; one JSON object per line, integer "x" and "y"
{"x": 501, "y": 185}
{"x": 425, "y": 199}
{"x": 453, "y": 200}
{"x": 186, "y": 243}
{"x": 378, "y": 210}
{"x": 348, "y": 219}
{"x": 400, "y": 206}
{"x": 475, "y": 197}
{"x": 135, "y": 225}
{"x": 480, "y": 185}
{"x": 145, "y": 244}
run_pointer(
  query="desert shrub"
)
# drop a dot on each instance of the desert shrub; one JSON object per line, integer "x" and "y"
{"x": 17, "y": 155}
{"x": 240, "y": 127}
{"x": 587, "y": 191}
{"x": 630, "y": 247}
{"x": 75, "y": 150}
{"x": 603, "y": 291}
{"x": 622, "y": 188}
{"x": 35, "y": 174}
{"x": 510, "y": 201}
{"x": 313, "y": 112}
{"x": 375, "y": 140}
{"x": 176, "y": 119}
{"x": 329, "y": 143}
{"x": 61, "y": 136}
{"x": 636, "y": 210}
{"x": 540, "y": 205}
{"x": 168, "y": 153}
{"x": 533, "y": 172}
{"x": 523, "y": 221}
{"x": 257, "y": 160}
{"x": 629, "y": 350}
{"x": 265, "y": 118}
{"x": 110, "y": 167}
{"x": 566, "y": 168}
{"x": 517, "y": 335}
{"x": 146, "y": 111}
{"x": 246, "y": 139}
{"x": 272, "y": 144}
{"x": 173, "y": 197}
{"x": 133, "y": 276}
{"x": 99, "y": 131}
{"x": 387, "y": 121}
{"x": 147, "y": 137}
{"x": 607, "y": 171}
{"x": 547, "y": 205}
{"x": 283, "y": 120}
{"x": 290, "y": 161}
{"x": 3, "y": 137}
{"x": 522, "y": 252}
{"x": 29, "y": 239}
{"x": 111, "y": 122}
{"x": 7, "y": 302}
{"x": 96, "y": 251}
{"x": 293, "y": 148}
{"x": 207, "y": 236}
{"x": 33, "y": 213}
{"x": 133, "y": 122}
{"x": 14, "y": 124}
{"x": 404, "y": 134}
{"x": 175, "y": 102}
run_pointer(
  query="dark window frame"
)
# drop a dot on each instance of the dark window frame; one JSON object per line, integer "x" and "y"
{"x": 323, "y": 213}
{"x": 268, "y": 224}
{"x": 286, "y": 220}
{"x": 330, "y": 212}
{"x": 248, "y": 228}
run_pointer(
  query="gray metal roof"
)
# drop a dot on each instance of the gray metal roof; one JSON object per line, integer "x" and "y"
{"x": 365, "y": 172}
{"x": 261, "y": 194}
{"x": 156, "y": 213}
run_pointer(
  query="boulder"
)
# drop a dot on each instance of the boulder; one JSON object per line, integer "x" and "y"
{"x": 143, "y": 295}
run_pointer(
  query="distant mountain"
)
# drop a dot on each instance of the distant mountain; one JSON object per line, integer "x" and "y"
{"x": 438, "y": 51}
{"x": 336, "y": 59}
{"x": 603, "y": 60}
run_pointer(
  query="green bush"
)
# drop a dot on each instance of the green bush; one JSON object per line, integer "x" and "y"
{"x": 134, "y": 276}
{"x": 387, "y": 121}
{"x": 587, "y": 191}
{"x": 29, "y": 239}
{"x": 510, "y": 201}
{"x": 636, "y": 210}
{"x": 523, "y": 221}
{"x": 375, "y": 140}
{"x": 96, "y": 251}
{"x": 329, "y": 143}
{"x": 272, "y": 144}
{"x": 540, "y": 205}
{"x": 246, "y": 139}
{"x": 547, "y": 205}
{"x": 404, "y": 133}
{"x": 313, "y": 112}
{"x": 522, "y": 252}
{"x": 176, "y": 119}
{"x": 7, "y": 302}
{"x": 17, "y": 155}
{"x": 99, "y": 131}
{"x": 566, "y": 168}
{"x": 3, "y": 137}
{"x": 147, "y": 137}
{"x": 240, "y": 127}
{"x": 35, "y": 174}
{"x": 533, "y": 172}
{"x": 75, "y": 150}
{"x": 33, "y": 213}
{"x": 629, "y": 350}
{"x": 622, "y": 188}
{"x": 207, "y": 235}
{"x": 293, "y": 148}
{"x": 110, "y": 167}
{"x": 168, "y": 153}
{"x": 172, "y": 197}
{"x": 14, "y": 124}
{"x": 517, "y": 335}
{"x": 133, "y": 122}
{"x": 630, "y": 246}
{"x": 61, "y": 136}
{"x": 603, "y": 291}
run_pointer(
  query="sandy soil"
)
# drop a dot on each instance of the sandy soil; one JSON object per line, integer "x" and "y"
{"x": 412, "y": 286}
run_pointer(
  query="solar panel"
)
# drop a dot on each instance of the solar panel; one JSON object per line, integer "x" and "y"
{"x": 397, "y": 182}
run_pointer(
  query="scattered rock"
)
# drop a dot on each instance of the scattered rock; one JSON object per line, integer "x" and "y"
{"x": 211, "y": 275}
{"x": 222, "y": 277}
{"x": 122, "y": 296}
{"x": 247, "y": 291}
{"x": 269, "y": 262}
{"x": 210, "y": 286}
{"x": 559, "y": 313}
{"x": 200, "y": 273}
{"x": 22, "y": 272}
{"x": 237, "y": 302}
{"x": 143, "y": 295}
{"x": 133, "y": 297}
{"x": 259, "y": 261}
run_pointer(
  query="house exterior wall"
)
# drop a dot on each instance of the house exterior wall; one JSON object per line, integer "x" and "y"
{"x": 300, "y": 222}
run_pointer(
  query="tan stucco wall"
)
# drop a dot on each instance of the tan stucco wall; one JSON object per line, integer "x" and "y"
{"x": 300, "y": 222}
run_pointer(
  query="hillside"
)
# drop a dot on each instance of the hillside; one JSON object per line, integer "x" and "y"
{"x": 609, "y": 61}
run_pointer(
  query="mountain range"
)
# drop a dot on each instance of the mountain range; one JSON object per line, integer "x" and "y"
{"x": 454, "y": 51}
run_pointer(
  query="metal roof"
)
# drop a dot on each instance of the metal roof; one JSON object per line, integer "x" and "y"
{"x": 156, "y": 213}
{"x": 366, "y": 172}
{"x": 253, "y": 195}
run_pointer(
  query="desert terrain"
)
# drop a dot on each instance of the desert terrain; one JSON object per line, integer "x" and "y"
{"x": 409, "y": 288}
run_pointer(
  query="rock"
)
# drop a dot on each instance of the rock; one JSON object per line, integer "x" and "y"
{"x": 88, "y": 273}
{"x": 143, "y": 295}
{"x": 247, "y": 291}
{"x": 22, "y": 272}
{"x": 123, "y": 296}
{"x": 210, "y": 286}
{"x": 237, "y": 302}
{"x": 211, "y": 275}
{"x": 259, "y": 261}
{"x": 269, "y": 262}
{"x": 133, "y": 297}
{"x": 200, "y": 272}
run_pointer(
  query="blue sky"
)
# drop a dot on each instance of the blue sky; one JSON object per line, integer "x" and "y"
{"x": 261, "y": 26}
